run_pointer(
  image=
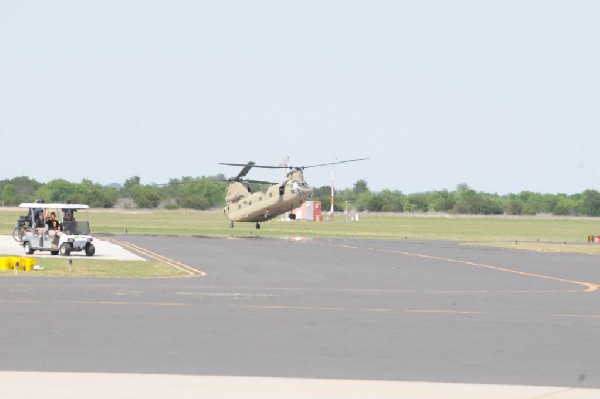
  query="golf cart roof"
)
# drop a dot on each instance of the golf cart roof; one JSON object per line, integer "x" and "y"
{"x": 53, "y": 205}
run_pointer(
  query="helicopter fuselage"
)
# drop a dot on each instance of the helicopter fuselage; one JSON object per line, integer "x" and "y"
{"x": 243, "y": 206}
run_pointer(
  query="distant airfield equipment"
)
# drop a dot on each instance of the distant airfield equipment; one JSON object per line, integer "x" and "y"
{"x": 242, "y": 205}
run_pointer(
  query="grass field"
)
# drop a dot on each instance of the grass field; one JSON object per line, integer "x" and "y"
{"x": 551, "y": 234}
{"x": 375, "y": 226}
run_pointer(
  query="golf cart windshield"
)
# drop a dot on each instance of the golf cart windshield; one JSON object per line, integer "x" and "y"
{"x": 76, "y": 228}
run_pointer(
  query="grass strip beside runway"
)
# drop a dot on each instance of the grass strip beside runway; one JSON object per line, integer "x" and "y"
{"x": 59, "y": 267}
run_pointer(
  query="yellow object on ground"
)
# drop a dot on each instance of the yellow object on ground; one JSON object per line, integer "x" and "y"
{"x": 13, "y": 261}
{"x": 29, "y": 264}
{"x": 6, "y": 264}
{"x": 20, "y": 262}
{"x": 10, "y": 262}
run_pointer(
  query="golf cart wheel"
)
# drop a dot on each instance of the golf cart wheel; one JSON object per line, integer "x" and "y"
{"x": 18, "y": 234}
{"x": 65, "y": 249}
{"x": 90, "y": 250}
{"x": 28, "y": 249}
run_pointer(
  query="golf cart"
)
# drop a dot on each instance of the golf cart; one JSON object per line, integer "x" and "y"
{"x": 75, "y": 234}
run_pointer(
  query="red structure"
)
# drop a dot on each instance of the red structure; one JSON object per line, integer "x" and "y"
{"x": 310, "y": 210}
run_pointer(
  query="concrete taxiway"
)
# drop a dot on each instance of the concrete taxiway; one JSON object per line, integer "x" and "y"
{"x": 321, "y": 310}
{"x": 104, "y": 250}
{"x": 149, "y": 386}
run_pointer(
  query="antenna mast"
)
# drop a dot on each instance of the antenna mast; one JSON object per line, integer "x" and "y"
{"x": 285, "y": 162}
{"x": 331, "y": 210}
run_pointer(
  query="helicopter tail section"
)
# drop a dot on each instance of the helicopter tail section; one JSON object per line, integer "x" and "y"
{"x": 235, "y": 192}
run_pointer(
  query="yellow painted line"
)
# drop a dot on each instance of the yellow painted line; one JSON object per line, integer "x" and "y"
{"x": 590, "y": 287}
{"x": 383, "y": 290}
{"x": 173, "y": 304}
{"x": 414, "y": 311}
{"x": 595, "y": 316}
{"x": 161, "y": 258}
{"x": 111, "y": 303}
{"x": 284, "y": 307}
{"x": 294, "y": 308}
{"x": 443, "y": 311}
{"x": 191, "y": 271}
{"x": 24, "y": 302}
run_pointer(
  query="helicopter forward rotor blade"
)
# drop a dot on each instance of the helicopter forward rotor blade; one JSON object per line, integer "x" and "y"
{"x": 233, "y": 179}
{"x": 254, "y": 165}
{"x": 259, "y": 182}
{"x": 244, "y": 171}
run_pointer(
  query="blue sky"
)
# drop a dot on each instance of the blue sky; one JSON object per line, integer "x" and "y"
{"x": 501, "y": 95}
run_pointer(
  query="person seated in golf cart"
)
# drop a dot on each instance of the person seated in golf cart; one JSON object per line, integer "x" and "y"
{"x": 36, "y": 211}
{"x": 40, "y": 222}
{"x": 68, "y": 217}
{"x": 54, "y": 229}
{"x": 69, "y": 226}
{"x": 70, "y": 211}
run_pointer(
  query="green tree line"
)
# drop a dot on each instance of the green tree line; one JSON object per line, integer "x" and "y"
{"x": 463, "y": 200}
{"x": 209, "y": 192}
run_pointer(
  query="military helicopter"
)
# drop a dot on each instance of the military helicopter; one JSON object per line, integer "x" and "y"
{"x": 242, "y": 205}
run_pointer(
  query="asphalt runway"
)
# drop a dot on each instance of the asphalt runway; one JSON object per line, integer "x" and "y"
{"x": 322, "y": 308}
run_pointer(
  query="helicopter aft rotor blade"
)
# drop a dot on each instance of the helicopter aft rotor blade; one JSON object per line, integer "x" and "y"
{"x": 333, "y": 163}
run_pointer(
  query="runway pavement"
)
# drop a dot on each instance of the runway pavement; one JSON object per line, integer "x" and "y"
{"x": 321, "y": 310}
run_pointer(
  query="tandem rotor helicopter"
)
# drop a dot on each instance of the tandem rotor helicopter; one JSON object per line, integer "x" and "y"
{"x": 242, "y": 205}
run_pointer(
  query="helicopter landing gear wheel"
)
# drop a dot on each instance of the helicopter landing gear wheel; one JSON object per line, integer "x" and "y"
{"x": 257, "y": 226}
